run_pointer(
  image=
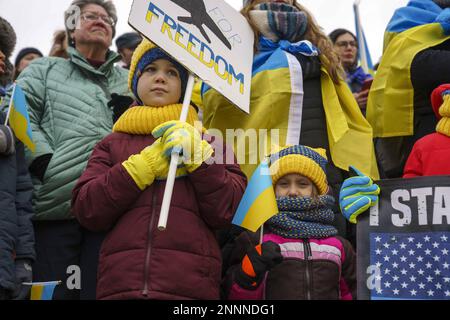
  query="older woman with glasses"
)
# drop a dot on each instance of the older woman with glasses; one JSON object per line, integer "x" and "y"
{"x": 69, "y": 114}
{"x": 346, "y": 45}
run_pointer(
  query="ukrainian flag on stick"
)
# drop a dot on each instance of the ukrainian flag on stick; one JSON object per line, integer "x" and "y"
{"x": 19, "y": 121}
{"x": 258, "y": 203}
{"x": 363, "y": 49}
{"x": 42, "y": 290}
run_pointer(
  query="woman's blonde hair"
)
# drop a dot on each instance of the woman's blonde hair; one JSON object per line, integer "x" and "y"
{"x": 313, "y": 33}
{"x": 60, "y": 45}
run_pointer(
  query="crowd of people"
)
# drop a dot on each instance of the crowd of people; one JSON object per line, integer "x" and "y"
{"x": 105, "y": 124}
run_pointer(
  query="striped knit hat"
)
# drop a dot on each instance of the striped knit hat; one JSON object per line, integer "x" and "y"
{"x": 303, "y": 160}
{"x": 146, "y": 53}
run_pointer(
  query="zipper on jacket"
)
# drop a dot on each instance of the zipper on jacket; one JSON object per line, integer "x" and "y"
{"x": 149, "y": 245}
{"x": 308, "y": 257}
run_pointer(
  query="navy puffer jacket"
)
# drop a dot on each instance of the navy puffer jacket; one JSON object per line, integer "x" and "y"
{"x": 16, "y": 229}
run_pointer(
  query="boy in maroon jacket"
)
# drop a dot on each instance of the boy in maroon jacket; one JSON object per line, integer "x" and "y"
{"x": 122, "y": 189}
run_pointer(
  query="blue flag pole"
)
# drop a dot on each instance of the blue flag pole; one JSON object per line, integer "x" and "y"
{"x": 362, "y": 45}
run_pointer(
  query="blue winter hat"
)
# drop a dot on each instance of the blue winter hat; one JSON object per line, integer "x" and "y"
{"x": 128, "y": 40}
{"x": 22, "y": 53}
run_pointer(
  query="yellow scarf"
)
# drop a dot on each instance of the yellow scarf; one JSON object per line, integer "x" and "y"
{"x": 143, "y": 119}
{"x": 390, "y": 107}
{"x": 349, "y": 134}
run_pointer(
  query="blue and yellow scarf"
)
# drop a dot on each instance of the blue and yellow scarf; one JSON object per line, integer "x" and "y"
{"x": 303, "y": 218}
{"x": 276, "y": 103}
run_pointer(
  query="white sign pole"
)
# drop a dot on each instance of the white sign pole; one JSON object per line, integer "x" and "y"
{"x": 164, "y": 214}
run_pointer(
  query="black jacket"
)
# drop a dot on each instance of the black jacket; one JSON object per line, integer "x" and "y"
{"x": 314, "y": 134}
{"x": 16, "y": 229}
{"x": 429, "y": 69}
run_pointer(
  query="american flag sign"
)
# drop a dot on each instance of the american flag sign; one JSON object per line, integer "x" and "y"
{"x": 403, "y": 243}
{"x": 411, "y": 265}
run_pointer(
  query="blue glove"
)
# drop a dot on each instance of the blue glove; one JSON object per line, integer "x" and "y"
{"x": 357, "y": 194}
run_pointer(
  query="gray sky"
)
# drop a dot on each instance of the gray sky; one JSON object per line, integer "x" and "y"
{"x": 36, "y": 20}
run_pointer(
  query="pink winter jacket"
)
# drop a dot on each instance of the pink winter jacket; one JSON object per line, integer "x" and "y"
{"x": 317, "y": 269}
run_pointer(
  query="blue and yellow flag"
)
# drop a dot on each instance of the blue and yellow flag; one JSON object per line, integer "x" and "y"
{"x": 258, "y": 203}
{"x": 19, "y": 121}
{"x": 390, "y": 107}
{"x": 363, "y": 52}
{"x": 415, "y": 13}
{"x": 43, "y": 290}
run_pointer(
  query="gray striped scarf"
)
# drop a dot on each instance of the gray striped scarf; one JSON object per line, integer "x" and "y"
{"x": 279, "y": 21}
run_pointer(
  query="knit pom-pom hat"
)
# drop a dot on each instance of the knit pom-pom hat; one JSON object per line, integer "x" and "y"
{"x": 146, "y": 53}
{"x": 308, "y": 162}
{"x": 437, "y": 98}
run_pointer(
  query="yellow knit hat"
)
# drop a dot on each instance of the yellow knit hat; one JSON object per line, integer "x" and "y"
{"x": 309, "y": 162}
{"x": 142, "y": 48}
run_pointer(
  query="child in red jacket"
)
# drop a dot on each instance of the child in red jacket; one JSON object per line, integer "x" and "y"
{"x": 122, "y": 189}
{"x": 430, "y": 154}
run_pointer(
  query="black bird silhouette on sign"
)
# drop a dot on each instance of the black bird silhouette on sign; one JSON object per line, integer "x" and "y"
{"x": 200, "y": 17}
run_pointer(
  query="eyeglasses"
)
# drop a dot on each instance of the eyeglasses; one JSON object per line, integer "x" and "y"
{"x": 344, "y": 44}
{"x": 91, "y": 17}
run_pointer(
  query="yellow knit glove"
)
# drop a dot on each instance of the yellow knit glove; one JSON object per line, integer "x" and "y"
{"x": 149, "y": 165}
{"x": 183, "y": 138}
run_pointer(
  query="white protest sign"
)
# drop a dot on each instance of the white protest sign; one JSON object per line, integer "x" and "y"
{"x": 208, "y": 37}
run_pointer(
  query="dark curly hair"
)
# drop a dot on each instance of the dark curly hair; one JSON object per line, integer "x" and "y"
{"x": 7, "y": 38}
{"x": 339, "y": 32}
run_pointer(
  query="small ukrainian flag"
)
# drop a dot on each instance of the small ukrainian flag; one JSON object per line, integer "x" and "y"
{"x": 258, "y": 203}
{"x": 19, "y": 121}
{"x": 43, "y": 290}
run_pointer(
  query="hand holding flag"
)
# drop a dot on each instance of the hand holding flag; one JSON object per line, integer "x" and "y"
{"x": 258, "y": 203}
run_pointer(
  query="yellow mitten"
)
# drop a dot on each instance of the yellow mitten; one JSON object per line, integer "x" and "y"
{"x": 149, "y": 165}
{"x": 186, "y": 140}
